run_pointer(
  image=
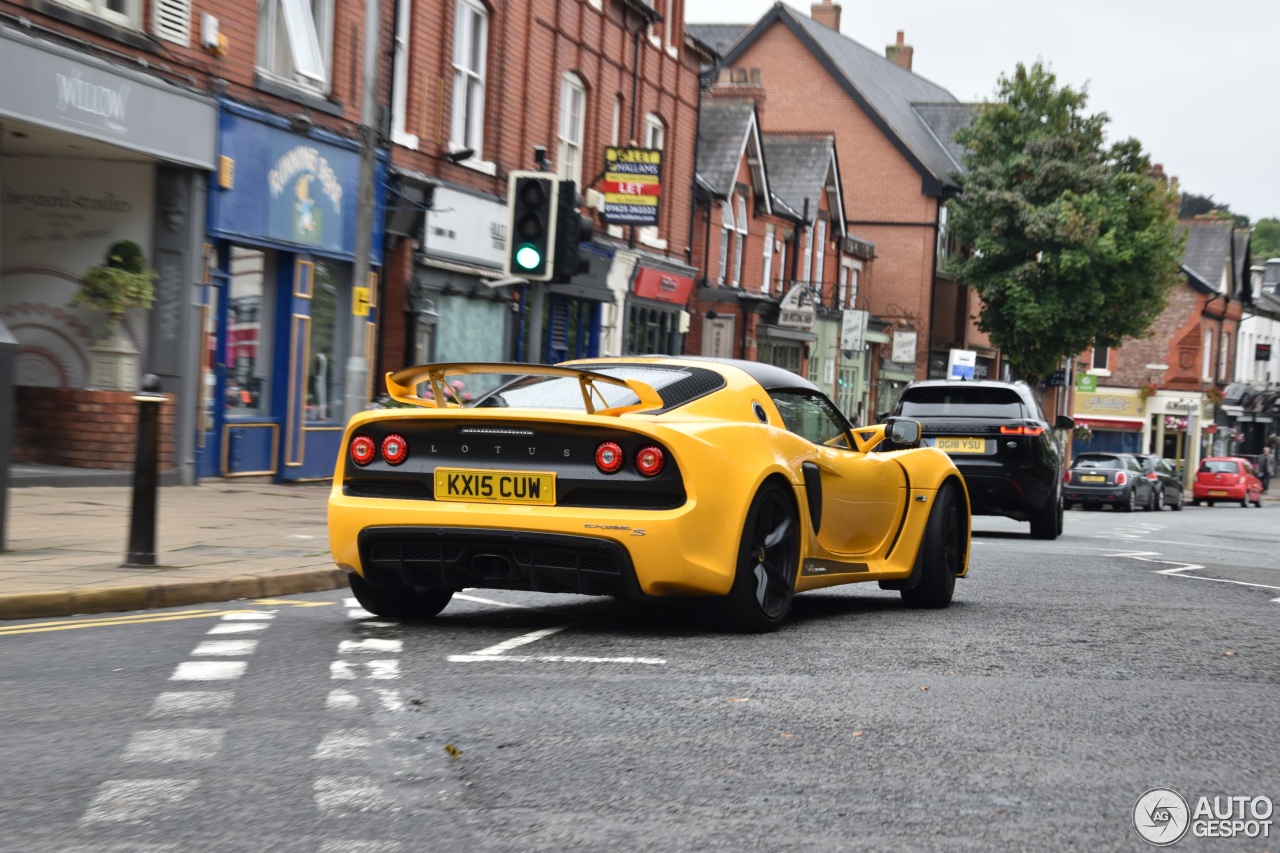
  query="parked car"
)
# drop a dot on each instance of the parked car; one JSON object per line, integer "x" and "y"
{"x": 640, "y": 478}
{"x": 1226, "y": 478}
{"x": 1168, "y": 479}
{"x": 997, "y": 435}
{"x": 1117, "y": 480}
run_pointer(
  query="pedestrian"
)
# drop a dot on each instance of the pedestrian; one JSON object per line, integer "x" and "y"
{"x": 1266, "y": 467}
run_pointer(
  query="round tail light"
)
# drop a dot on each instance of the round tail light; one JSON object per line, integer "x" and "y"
{"x": 394, "y": 449}
{"x": 362, "y": 449}
{"x": 649, "y": 461}
{"x": 1121, "y": 478}
{"x": 608, "y": 457}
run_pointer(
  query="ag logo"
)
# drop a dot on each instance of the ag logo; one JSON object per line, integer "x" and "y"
{"x": 1161, "y": 817}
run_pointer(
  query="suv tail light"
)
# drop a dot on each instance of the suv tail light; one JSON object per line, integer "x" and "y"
{"x": 1021, "y": 430}
{"x": 1121, "y": 478}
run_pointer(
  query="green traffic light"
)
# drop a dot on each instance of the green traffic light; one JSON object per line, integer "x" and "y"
{"x": 528, "y": 257}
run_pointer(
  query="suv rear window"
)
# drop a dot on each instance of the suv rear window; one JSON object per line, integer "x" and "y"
{"x": 973, "y": 401}
{"x": 1108, "y": 462}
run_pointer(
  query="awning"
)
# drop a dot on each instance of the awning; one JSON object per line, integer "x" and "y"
{"x": 780, "y": 333}
{"x": 1110, "y": 423}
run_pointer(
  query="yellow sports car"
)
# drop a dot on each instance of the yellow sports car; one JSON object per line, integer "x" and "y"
{"x": 639, "y": 478}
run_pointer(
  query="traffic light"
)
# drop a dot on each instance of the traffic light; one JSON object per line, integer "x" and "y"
{"x": 572, "y": 229}
{"x": 531, "y": 224}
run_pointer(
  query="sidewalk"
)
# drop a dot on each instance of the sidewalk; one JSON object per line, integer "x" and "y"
{"x": 217, "y": 541}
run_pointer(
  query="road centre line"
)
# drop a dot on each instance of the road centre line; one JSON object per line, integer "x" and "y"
{"x": 110, "y": 621}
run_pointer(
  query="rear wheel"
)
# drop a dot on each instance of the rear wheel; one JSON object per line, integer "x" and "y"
{"x": 1047, "y": 522}
{"x": 1182, "y": 500}
{"x": 399, "y": 601}
{"x": 1129, "y": 502}
{"x": 941, "y": 555}
{"x": 768, "y": 558}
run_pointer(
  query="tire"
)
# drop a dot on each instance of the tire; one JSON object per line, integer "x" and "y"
{"x": 1209, "y": 503}
{"x": 764, "y": 583}
{"x": 940, "y": 557}
{"x": 1195, "y": 502}
{"x": 1046, "y": 523}
{"x": 1182, "y": 501}
{"x": 399, "y": 601}
{"x": 1244, "y": 502}
{"x": 1130, "y": 502}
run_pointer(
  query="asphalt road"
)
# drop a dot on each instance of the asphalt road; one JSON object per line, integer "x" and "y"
{"x": 1068, "y": 678}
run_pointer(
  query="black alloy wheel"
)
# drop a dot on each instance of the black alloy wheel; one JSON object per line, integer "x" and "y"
{"x": 399, "y": 601}
{"x": 768, "y": 560}
{"x": 1046, "y": 523}
{"x": 941, "y": 555}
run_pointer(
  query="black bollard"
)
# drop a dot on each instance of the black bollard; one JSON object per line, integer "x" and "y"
{"x": 142, "y": 521}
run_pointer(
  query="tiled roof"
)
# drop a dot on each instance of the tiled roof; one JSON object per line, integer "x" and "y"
{"x": 718, "y": 37}
{"x": 798, "y": 166}
{"x": 1208, "y": 248}
{"x": 722, "y": 132}
{"x": 943, "y": 120}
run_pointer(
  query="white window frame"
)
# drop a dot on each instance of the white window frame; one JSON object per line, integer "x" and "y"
{"x": 766, "y": 286}
{"x": 616, "y": 127}
{"x": 306, "y": 35}
{"x": 842, "y": 285}
{"x": 1105, "y": 367}
{"x": 573, "y": 96}
{"x": 740, "y": 239}
{"x": 131, "y": 18}
{"x": 726, "y": 225}
{"x": 400, "y": 78}
{"x": 655, "y": 136}
{"x": 782, "y": 266}
{"x": 820, "y": 255}
{"x": 466, "y": 119}
{"x": 854, "y": 271}
{"x": 1224, "y": 358}
{"x": 1206, "y": 367}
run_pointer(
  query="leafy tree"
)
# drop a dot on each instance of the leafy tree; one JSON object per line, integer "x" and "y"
{"x": 1265, "y": 240}
{"x": 1203, "y": 205}
{"x": 1073, "y": 243}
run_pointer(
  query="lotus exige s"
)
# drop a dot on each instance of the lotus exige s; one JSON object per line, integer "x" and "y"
{"x": 638, "y": 478}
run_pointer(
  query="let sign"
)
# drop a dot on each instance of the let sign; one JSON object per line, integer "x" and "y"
{"x": 632, "y": 185}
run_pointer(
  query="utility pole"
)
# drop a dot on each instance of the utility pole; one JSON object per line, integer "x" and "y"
{"x": 357, "y": 373}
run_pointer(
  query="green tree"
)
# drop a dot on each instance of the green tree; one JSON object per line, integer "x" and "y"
{"x": 1071, "y": 242}
{"x": 1200, "y": 205}
{"x": 1265, "y": 241}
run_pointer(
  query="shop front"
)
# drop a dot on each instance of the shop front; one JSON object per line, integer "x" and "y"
{"x": 1110, "y": 419}
{"x": 285, "y": 327}
{"x": 1181, "y": 428}
{"x": 96, "y": 155}
{"x": 656, "y": 321}
{"x": 788, "y": 340}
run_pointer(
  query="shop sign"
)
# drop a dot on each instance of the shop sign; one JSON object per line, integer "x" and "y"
{"x": 962, "y": 364}
{"x": 796, "y": 309}
{"x": 632, "y": 185}
{"x": 1113, "y": 402}
{"x": 904, "y": 347}
{"x": 360, "y": 301}
{"x": 662, "y": 286}
{"x": 1262, "y": 352}
{"x": 467, "y": 228}
{"x": 1086, "y": 383}
{"x": 853, "y": 330}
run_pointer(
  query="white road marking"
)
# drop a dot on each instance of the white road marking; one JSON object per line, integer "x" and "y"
{"x": 522, "y": 640}
{"x": 479, "y": 600}
{"x": 380, "y": 669}
{"x": 341, "y": 846}
{"x": 348, "y": 743}
{"x": 1179, "y": 568}
{"x": 390, "y": 699}
{"x": 237, "y": 628}
{"x": 135, "y": 800}
{"x": 174, "y": 745}
{"x": 226, "y": 648}
{"x": 550, "y": 658}
{"x": 338, "y": 796}
{"x": 374, "y": 646}
{"x": 208, "y": 670}
{"x": 341, "y": 700}
{"x": 251, "y": 616}
{"x": 180, "y": 703}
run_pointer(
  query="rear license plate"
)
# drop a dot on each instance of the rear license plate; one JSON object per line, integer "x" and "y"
{"x": 961, "y": 445}
{"x": 1217, "y": 494}
{"x": 498, "y": 487}
{"x": 1093, "y": 478}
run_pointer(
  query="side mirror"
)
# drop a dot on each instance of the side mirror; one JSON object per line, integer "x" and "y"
{"x": 1064, "y": 422}
{"x": 906, "y": 433}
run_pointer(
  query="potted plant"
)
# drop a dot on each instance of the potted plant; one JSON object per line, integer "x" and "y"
{"x": 123, "y": 282}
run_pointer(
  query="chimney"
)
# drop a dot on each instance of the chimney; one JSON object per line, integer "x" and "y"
{"x": 827, "y": 14}
{"x": 900, "y": 53}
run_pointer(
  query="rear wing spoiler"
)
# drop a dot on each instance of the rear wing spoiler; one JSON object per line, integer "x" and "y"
{"x": 402, "y": 385}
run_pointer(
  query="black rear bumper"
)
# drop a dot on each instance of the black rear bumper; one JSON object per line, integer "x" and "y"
{"x": 460, "y": 558}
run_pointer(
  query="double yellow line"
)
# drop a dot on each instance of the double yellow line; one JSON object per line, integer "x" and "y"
{"x": 144, "y": 618}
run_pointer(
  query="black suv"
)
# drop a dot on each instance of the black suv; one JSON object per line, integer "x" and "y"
{"x": 996, "y": 434}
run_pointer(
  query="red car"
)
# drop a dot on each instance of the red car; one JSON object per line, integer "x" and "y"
{"x": 1227, "y": 478}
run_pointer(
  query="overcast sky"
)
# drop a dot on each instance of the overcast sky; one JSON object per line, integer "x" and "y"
{"x": 1193, "y": 82}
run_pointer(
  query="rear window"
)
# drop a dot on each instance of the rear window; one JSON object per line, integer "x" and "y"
{"x": 1108, "y": 462}
{"x": 962, "y": 402}
{"x": 564, "y": 392}
{"x": 1220, "y": 466}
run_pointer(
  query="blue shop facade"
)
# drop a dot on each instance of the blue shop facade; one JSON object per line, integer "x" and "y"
{"x": 280, "y": 306}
